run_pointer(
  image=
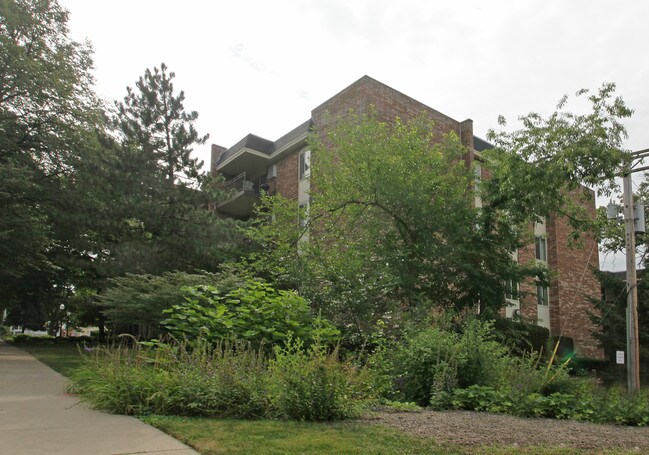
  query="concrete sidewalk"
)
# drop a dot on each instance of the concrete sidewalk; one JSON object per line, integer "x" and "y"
{"x": 38, "y": 417}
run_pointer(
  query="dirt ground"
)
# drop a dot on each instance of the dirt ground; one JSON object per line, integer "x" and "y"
{"x": 478, "y": 429}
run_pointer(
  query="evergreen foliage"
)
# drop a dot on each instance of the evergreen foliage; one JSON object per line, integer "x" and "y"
{"x": 610, "y": 317}
{"x": 85, "y": 197}
{"x": 169, "y": 194}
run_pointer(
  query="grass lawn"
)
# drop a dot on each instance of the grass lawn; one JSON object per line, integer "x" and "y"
{"x": 62, "y": 357}
{"x": 220, "y": 436}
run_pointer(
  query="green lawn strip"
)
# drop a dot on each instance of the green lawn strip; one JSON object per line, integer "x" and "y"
{"x": 267, "y": 437}
{"x": 61, "y": 357}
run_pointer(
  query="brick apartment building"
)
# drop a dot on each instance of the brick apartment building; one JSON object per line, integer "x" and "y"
{"x": 282, "y": 167}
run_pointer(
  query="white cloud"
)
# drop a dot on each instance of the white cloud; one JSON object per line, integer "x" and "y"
{"x": 260, "y": 66}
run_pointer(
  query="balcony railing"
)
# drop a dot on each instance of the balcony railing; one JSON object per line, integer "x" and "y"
{"x": 238, "y": 184}
{"x": 243, "y": 194}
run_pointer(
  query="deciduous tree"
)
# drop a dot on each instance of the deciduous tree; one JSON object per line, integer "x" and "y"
{"x": 393, "y": 225}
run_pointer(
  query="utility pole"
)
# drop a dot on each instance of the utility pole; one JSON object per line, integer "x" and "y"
{"x": 632, "y": 345}
{"x": 632, "y": 337}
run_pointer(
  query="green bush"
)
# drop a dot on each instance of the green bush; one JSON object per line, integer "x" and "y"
{"x": 485, "y": 361}
{"x": 256, "y": 313}
{"x": 134, "y": 303}
{"x": 588, "y": 402}
{"x": 227, "y": 380}
{"x": 312, "y": 384}
{"x": 222, "y": 380}
{"x": 615, "y": 405}
{"x": 426, "y": 362}
{"x": 521, "y": 337}
{"x": 433, "y": 361}
{"x": 23, "y": 338}
{"x": 481, "y": 398}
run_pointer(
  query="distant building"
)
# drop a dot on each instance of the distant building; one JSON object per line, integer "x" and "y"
{"x": 282, "y": 167}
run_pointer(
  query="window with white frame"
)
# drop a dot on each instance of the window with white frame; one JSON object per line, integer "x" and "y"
{"x": 305, "y": 165}
{"x": 541, "y": 246}
{"x": 542, "y": 295}
{"x": 478, "y": 180}
{"x": 511, "y": 290}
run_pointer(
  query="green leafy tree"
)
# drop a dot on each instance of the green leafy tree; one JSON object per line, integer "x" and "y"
{"x": 392, "y": 224}
{"x": 540, "y": 170}
{"x": 137, "y": 301}
{"x": 48, "y": 113}
{"x": 610, "y": 317}
{"x": 254, "y": 312}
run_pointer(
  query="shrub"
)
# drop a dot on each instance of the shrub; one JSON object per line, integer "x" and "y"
{"x": 530, "y": 373}
{"x": 587, "y": 402}
{"x": 481, "y": 398}
{"x": 426, "y": 362}
{"x": 222, "y": 380}
{"x": 433, "y": 361}
{"x": 24, "y": 338}
{"x": 484, "y": 360}
{"x": 134, "y": 303}
{"x": 399, "y": 406}
{"x": 521, "y": 337}
{"x": 615, "y": 405}
{"x": 312, "y": 384}
{"x": 228, "y": 380}
{"x": 256, "y": 313}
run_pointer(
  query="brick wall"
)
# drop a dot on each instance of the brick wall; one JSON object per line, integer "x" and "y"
{"x": 388, "y": 104}
{"x": 529, "y": 311}
{"x": 574, "y": 283}
{"x": 287, "y": 176}
{"x": 216, "y": 153}
{"x": 572, "y": 286}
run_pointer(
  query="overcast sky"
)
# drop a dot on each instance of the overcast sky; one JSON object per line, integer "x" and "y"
{"x": 261, "y": 66}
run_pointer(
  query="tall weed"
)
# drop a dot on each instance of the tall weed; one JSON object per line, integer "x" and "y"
{"x": 229, "y": 379}
{"x": 313, "y": 384}
{"x": 426, "y": 362}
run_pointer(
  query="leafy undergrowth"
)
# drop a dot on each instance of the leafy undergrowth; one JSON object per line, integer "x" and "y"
{"x": 587, "y": 402}
{"x": 268, "y": 437}
{"x": 225, "y": 380}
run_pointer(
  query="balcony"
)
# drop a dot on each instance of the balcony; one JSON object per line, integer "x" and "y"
{"x": 250, "y": 154}
{"x": 242, "y": 196}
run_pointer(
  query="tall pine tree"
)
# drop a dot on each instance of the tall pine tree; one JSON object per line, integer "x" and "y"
{"x": 171, "y": 194}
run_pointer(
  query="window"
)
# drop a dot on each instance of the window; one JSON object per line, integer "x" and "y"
{"x": 511, "y": 290}
{"x": 541, "y": 249}
{"x": 478, "y": 179}
{"x": 542, "y": 295}
{"x": 305, "y": 165}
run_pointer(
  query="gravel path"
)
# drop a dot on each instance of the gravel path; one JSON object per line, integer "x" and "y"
{"x": 479, "y": 429}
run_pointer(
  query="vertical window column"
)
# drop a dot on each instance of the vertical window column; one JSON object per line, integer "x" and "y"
{"x": 304, "y": 191}
{"x": 542, "y": 292}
